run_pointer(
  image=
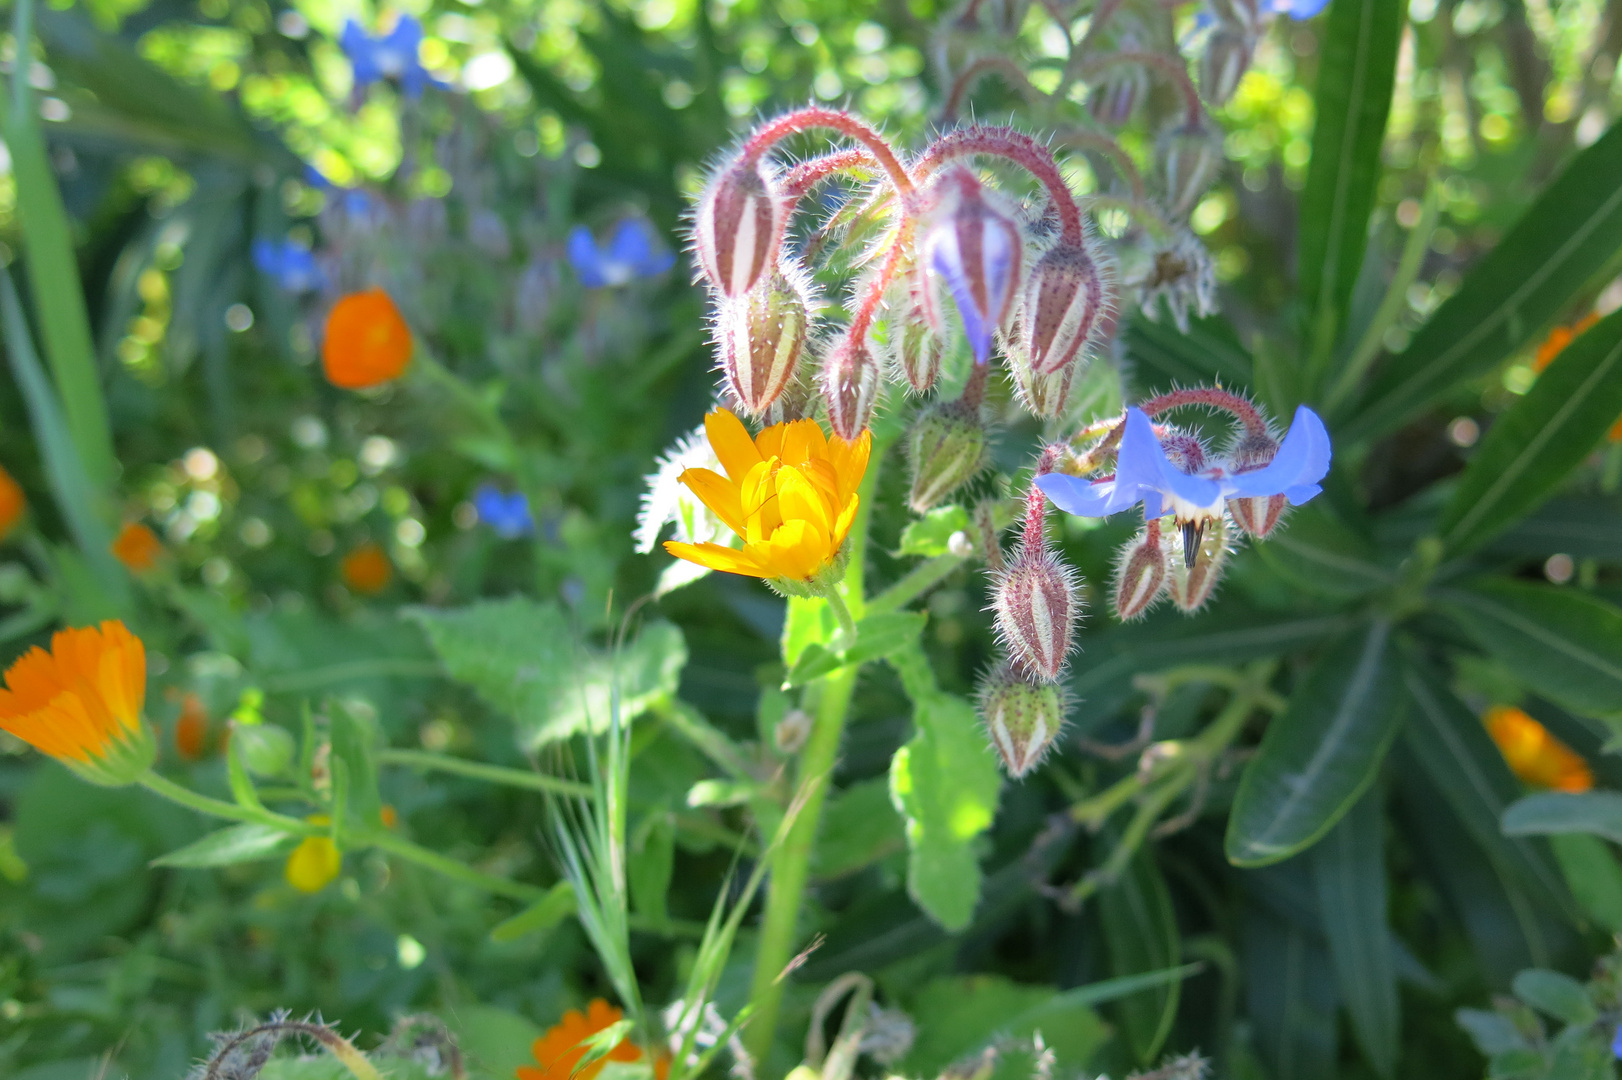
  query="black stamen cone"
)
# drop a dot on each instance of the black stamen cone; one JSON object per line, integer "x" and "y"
{"x": 1191, "y": 543}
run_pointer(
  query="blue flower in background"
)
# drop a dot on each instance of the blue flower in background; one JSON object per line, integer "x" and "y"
{"x": 392, "y": 56}
{"x": 1297, "y": 9}
{"x": 291, "y": 265}
{"x": 633, "y": 250}
{"x": 1143, "y": 473}
{"x": 507, "y": 514}
{"x": 1616, "y": 1043}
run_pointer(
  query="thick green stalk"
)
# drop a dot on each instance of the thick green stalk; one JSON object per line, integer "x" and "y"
{"x": 478, "y": 770}
{"x": 785, "y": 896}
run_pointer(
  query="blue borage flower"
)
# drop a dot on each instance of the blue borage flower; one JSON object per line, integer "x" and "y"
{"x": 391, "y": 56}
{"x": 507, "y": 514}
{"x": 976, "y": 251}
{"x": 292, "y": 266}
{"x": 632, "y": 251}
{"x": 1143, "y": 473}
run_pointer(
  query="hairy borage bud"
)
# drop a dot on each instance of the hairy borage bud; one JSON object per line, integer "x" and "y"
{"x": 1190, "y": 155}
{"x": 973, "y": 250}
{"x": 850, "y": 385}
{"x": 915, "y": 348}
{"x": 1141, "y": 575}
{"x": 1022, "y": 716}
{"x": 738, "y": 222}
{"x": 948, "y": 448}
{"x": 1114, "y": 99}
{"x": 1257, "y": 515}
{"x": 1227, "y": 55}
{"x": 1192, "y": 581}
{"x": 762, "y": 336}
{"x": 1043, "y": 396}
{"x": 1063, "y": 299}
{"x": 1036, "y": 606}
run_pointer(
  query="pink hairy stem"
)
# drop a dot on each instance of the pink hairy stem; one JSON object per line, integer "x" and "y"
{"x": 972, "y": 74}
{"x": 1211, "y": 398}
{"x": 1119, "y": 158}
{"x": 808, "y": 174}
{"x": 1035, "y": 535}
{"x": 1023, "y": 151}
{"x": 815, "y": 117}
{"x": 1173, "y": 71}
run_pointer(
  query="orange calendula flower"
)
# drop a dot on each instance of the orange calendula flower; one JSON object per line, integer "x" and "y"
{"x": 12, "y": 504}
{"x": 367, "y": 341}
{"x": 1559, "y": 338}
{"x": 558, "y": 1051}
{"x": 367, "y": 569}
{"x": 316, "y": 862}
{"x": 137, "y": 547}
{"x": 191, "y": 728}
{"x": 1533, "y": 752}
{"x": 81, "y": 703}
{"x": 790, "y": 493}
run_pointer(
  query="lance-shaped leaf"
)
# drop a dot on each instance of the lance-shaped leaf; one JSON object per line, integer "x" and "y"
{"x": 1140, "y": 932}
{"x": 1289, "y": 1000}
{"x": 1462, "y": 765}
{"x": 1588, "y": 527}
{"x": 1163, "y": 358}
{"x": 1320, "y": 555}
{"x": 1320, "y": 754}
{"x": 1348, "y": 869}
{"x": 1352, "y": 101}
{"x": 226, "y": 847}
{"x": 1568, "y": 236}
{"x": 1553, "y": 812}
{"x": 1562, "y": 643}
{"x": 1531, "y": 449}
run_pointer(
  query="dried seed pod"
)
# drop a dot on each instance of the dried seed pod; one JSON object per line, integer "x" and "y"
{"x": 850, "y": 385}
{"x": 739, "y": 218}
{"x": 1064, "y": 297}
{"x": 762, "y": 336}
{"x": 1022, "y": 716}
{"x": 1141, "y": 574}
{"x": 947, "y": 448}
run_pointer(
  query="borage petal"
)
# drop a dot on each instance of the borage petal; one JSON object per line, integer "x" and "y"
{"x": 1295, "y": 470}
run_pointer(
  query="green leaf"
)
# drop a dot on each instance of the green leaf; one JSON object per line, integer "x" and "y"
{"x": 1531, "y": 449}
{"x": 1162, "y": 358}
{"x": 1570, "y": 235}
{"x": 945, "y": 783}
{"x": 931, "y": 534}
{"x": 1465, "y": 768}
{"x": 1518, "y": 1064}
{"x": 1589, "y": 527}
{"x": 1556, "y": 994}
{"x": 1350, "y": 875}
{"x": 860, "y": 826}
{"x": 1598, "y": 813}
{"x": 1492, "y": 1032}
{"x": 1594, "y": 875}
{"x": 808, "y": 621}
{"x": 1562, "y": 643}
{"x": 524, "y": 660}
{"x": 957, "y": 1015}
{"x": 1352, "y": 100}
{"x": 558, "y": 904}
{"x": 652, "y": 863}
{"x": 226, "y": 847}
{"x": 1320, "y": 754}
{"x": 494, "y": 1042}
{"x": 1289, "y": 1001}
{"x": 354, "y": 742}
{"x": 877, "y": 636}
{"x": 1320, "y": 555}
{"x": 1140, "y": 933}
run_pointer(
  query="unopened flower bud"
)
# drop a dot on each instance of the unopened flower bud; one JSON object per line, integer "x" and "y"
{"x": 267, "y": 750}
{"x": 791, "y": 732}
{"x": 1063, "y": 299}
{"x": 738, "y": 222}
{"x": 762, "y": 336}
{"x": 1192, "y": 581}
{"x": 1043, "y": 396}
{"x": 1257, "y": 515}
{"x": 1022, "y": 716}
{"x": 1227, "y": 55}
{"x": 948, "y": 448}
{"x": 850, "y": 385}
{"x": 973, "y": 250}
{"x": 1036, "y": 607}
{"x": 1190, "y": 155}
{"x": 915, "y": 348}
{"x": 1141, "y": 575}
{"x": 1114, "y": 98}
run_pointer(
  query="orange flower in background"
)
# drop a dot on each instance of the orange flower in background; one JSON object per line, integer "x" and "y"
{"x": 12, "y": 504}
{"x": 790, "y": 493}
{"x": 1555, "y": 344}
{"x": 137, "y": 547}
{"x": 191, "y": 728}
{"x": 367, "y": 569}
{"x": 316, "y": 862}
{"x": 81, "y": 702}
{"x": 367, "y": 341}
{"x": 558, "y": 1051}
{"x": 1533, "y": 752}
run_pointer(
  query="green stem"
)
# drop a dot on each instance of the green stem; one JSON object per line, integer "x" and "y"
{"x": 846, "y": 637}
{"x": 917, "y": 581}
{"x": 219, "y": 808}
{"x": 494, "y": 774}
{"x": 443, "y": 864}
{"x": 790, "y": 869}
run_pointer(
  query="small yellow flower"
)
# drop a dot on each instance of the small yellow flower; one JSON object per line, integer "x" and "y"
{"x": 81, "y": 703}
{"x": 790, "y": 493}
{"x": 316, "y": 862}
{"x": 1534, "y": 753}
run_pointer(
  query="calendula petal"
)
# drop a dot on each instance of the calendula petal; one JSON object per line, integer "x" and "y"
{"x": 759, "y": 497}
{"x": 797, "y": 550}
{"x": 731, "y": 442}
{"x": 798, "y": 498}
{"x": 716, "y": 557}
{"x": 718, "y": 493}
{"x": 850, "y": 460}
{"x": 842, "y": 524}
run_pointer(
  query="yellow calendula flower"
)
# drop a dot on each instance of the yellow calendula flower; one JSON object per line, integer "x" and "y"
{"x": 790, "y": 493}
{"x": 81, "y": 703}
{"x": 316, "y": 862}
{"x": 1534, "y": 753}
